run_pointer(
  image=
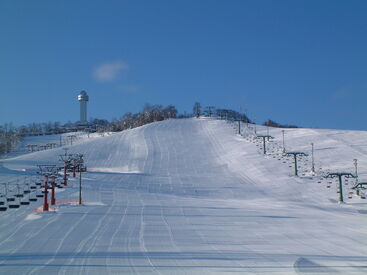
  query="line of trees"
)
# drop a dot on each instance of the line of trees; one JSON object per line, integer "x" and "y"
{"x": 9, "y": 138}
{"x": 272, "y": 123}
{"x": 211, "y": 111}
{"x": 149, "y": 114}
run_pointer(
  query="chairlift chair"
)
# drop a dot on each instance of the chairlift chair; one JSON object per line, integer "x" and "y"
{"x": 24, "y": 202}
{"x": 32, "y": 196}
{"x": 363, "y": 195}
{"x": 13, "y": 204}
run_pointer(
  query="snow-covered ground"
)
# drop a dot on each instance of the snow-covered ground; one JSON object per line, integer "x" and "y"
{"x": 191, "y": 196}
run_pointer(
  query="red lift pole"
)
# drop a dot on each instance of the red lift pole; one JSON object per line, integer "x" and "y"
{"x": 45, "y": 201}
{"x": 53, "y": 200}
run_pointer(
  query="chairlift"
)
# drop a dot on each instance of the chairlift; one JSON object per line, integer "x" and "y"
{"x": 10, "y": 199}
{"x": 33, "y": 187}
{"x": 25, "y": 202}
{"x": 363, "y": 196}
{"x": 32, "y": 196}
{"x": 3, "y": 208}
{"x": 14, "y": 205}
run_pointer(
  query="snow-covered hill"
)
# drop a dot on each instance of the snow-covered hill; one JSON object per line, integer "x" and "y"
{"x": 191, "y": 196}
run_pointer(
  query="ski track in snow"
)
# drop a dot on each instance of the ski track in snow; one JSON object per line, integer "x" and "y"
{"x": 204, "y": 201}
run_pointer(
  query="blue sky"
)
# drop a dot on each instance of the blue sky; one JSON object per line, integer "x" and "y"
{"x": 296, "y": 62}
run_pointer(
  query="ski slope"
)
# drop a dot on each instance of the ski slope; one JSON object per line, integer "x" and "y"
{"x": 191, "y": 196}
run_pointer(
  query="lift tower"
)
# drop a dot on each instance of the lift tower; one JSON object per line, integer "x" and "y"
{"x": 295, "y": 154}
{"x": 264, "y": 137}
{"x": 339, "y": 175}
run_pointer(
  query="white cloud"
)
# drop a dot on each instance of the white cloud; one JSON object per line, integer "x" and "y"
{"x": 109, "y": 71}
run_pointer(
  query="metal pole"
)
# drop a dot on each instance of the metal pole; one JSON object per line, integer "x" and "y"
{"x": 356, "y": 169}
{"x": 340, "y": 189}
{"x": 283, "y": 142}
{"x": 255, "y": 124}
{"x": 295, "y": 165}
{"x": 239, "y": 127}
{"x": 80, "y": 186}
{"x": 264, "y": 145}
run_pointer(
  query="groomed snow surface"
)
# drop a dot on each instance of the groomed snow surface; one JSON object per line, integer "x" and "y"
{"x": 192, "y": 196}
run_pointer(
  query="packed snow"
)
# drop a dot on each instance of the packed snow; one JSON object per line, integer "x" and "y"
{"x": 192, "y": 196}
